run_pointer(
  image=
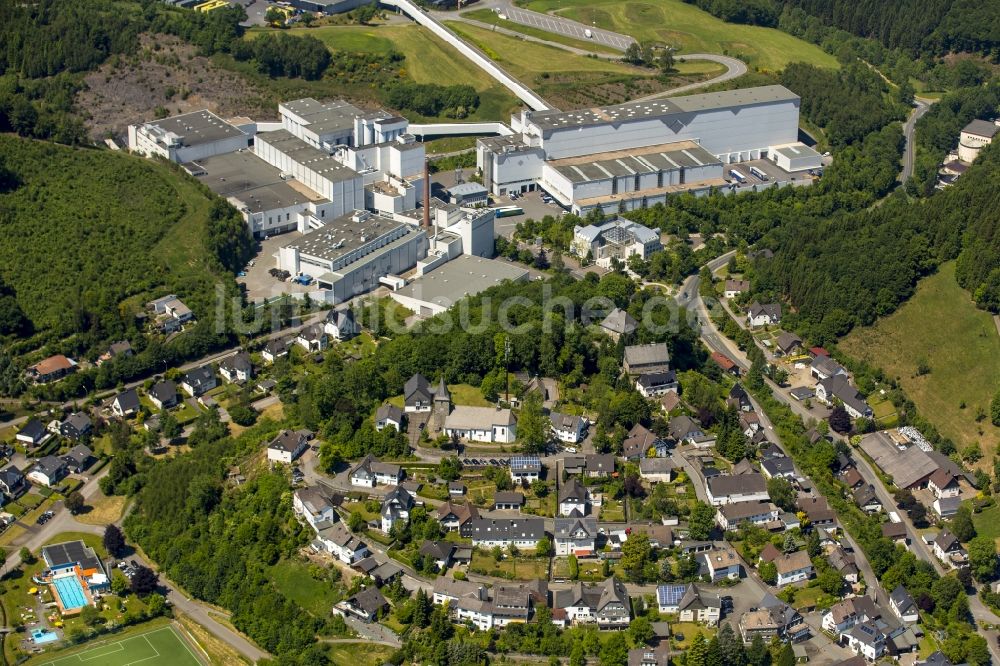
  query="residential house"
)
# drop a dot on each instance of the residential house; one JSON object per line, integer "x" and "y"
{"x": 773, "y": 618}
{"x": 33, "y": 434}
{"x": 653, "y": 384}
{"x": 389, "y": 416}
{"x": 866, "y": 639}
{"x": 75, "y": 426}
{"x": 163, "y": 394}
{"x": 50, "y": 369}
{"x": 787, "y": 344}
{"x": 739, "y": 398}
{"x": 199, "y": 381}
{"x": 511, "y": 603}
{"x": 340, "y": 324}
{"x": 125, "y": 404}
{"x": 943, "y": 484}
{"x": 946, "y": 507}
{"x": 845, "y": 615}
{"x": 574, "y": 464}
{"x": 722, "y": 563}
{"x": 417, "y": 394}
{"x": 599, "y": 465}
{"x": 903, "y": 606}
{"x": 793, "y": 568}
{"x": 287, "y": 446}
{"x": 947, "y": 548}
{"x": 385, "y": 573}
{"x": 336, "y": 539}
{"x": 12, "y": 482}
{"x": 367, "y": 604}
{"x": 670, "y": 401}
{"x": 619, "y": 323}
{"x": 456, "y": 489}
{"x": 778, "y": 468}
{"x": 727, "y": 489}
{"x": 575, "y": 536}
{"x": 370, "y": 473}
{"x": 396, "y": 507}
{"x": 731, "y": 516}
{"x": 78, "y": 459}
{"x": 606, "y": 604}
{"x": 568, "y": 428}
{"x": 824, "y": 367}
{"x": 574, "y": 498}
{"x": 115, "y": 350}
{"x": 839, "y": 388}
{"x": 440, "y": 552}
{"x": 763, "y": 314}
{"x": 454, "y": 517}
{"x": 521, "y": 532}
{"x": 448, "y": 590}
{"x": 770, "y": 451}
{"x": 655, "y": 470}
{"x": 650, "y": 656}
{"x": 749, "y": 423}
{"x": 646, "y": 359}
{"x": 275, "y": 349}
{"x": 852, "y": 478}
{"x": 817, "y": 510}
{"x": 668, "y": 597}
{"x": 312, "y": 338}
{"x": 843, "y": 563}
{"x": 47, "y": 471}
{"x": 236, "y": 368}
{"x": 504, "y": 500}
{"x": 896, "y": 532}
{"x": 642, "y": 442}
{"x": 725, "y": 363}
{"x": 734, "y": 288}
{"x": 525, "y": 469}
{"x": 936, "y": 659}
{"x": 867, "y": 499}
{"x": 481, "y": 424}
{"x": 314, "y": 505}
{"x": 684, "y": 429}
{"x": 699, "y": 606}
{"x": 477, "y": 612}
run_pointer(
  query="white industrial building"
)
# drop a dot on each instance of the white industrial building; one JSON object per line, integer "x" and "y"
{"x": 974, "y": 136}
{"x": 635, "y": 154}
{"x": 187, "y": 137}
{"x": 614, "y": 239}
{"x": 349, "y": 254}
{"x": 435, "y": 292}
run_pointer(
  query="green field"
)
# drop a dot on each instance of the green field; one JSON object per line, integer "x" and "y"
{"x": 569, "y": 80}
{"x": 152, "y": 647}
{"x": 427, "y": 60}
{"x": 939, "y": 325}
{"x": 296, "y": 583}
{"x": 359, "y": 654}
{"x": 987, "y": 523}
{"x": 689, "y": 29}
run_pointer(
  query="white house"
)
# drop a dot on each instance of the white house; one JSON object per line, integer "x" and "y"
{"x": 236, "y": 368}
{"x": 389, "y": 415}
{"x": 943, "y": 484}
{"x": 125, "y": 404}
{"x": 574, "y": 498}
{"x": 521, "y": 532}
{"x": 287, "y": 446}
{"x": 481, "y": 424}
{"x": 198, "y": 381}
{"x": 33, "y": 433}
{"x": 312, "y": 338}
{"x": 313, "y": 505}
{"x": 839, "y": 388}
{"x": 656, "y": 470}
{"x": 340, "y": 324}
{"x": 575, "y": 536}
{"x": 728, "y": 489}
{"x": 844, "y": 615}
{"x": 396, "y": 507}
{"x": 731, "y": 516}
{"x": 734, "y": 288}
{"x": 48, "y": 471}
{"x": 793, "y": 567}
{"x": 722, "y": 563}
{"x": 525, "y": 469}
{"x": 568, "y": 427}
{"x": 339, "y": 542}
{"x": 370, "y": 472}
{"x": 653, "y": 384}
{"x": 763, "y": 314}
{"x": 275, "y": 349}
{"x": 903, "y": 606}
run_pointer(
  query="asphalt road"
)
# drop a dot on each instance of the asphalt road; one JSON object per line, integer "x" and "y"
{"x": 909, "y": 133}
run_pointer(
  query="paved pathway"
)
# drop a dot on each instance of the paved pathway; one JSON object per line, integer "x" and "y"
{"x": 909, "y": 133}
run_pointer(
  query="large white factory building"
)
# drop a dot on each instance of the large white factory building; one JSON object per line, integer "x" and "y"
{"x": 635, "y": 154}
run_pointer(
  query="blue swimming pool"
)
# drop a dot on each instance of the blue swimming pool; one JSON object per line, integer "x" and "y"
{"x": 70, "y": 592}
{"x": 43, "y": 636}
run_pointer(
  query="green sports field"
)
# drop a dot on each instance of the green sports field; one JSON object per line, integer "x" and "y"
{"x": 156, "y": 647}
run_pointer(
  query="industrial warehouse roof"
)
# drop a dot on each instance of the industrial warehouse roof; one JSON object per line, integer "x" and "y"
{"x": 196, "y": 128}
{"x": 549, "y": 120}
{"x": 462, "y": 276}
{"x": 301, "y": 152}
{"x": 796, "y": 150}
{"x": 345, "y": 234}
{"x": 326, "y": 117}
{"x": 619, "y": 163}
{"x": 983, "y": 128}
{"x": 465, "y": 189}
{"x": 906, "y": 468}
{"x": 251, "y": 180}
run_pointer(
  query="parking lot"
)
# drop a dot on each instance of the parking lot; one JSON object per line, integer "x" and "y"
{"x": 260, "y": 284}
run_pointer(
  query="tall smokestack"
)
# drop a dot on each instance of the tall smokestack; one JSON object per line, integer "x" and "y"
{"x": 427, "y": 193}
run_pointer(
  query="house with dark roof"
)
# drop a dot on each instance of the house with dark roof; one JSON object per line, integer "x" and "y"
{"x": 12, "y": 482}
{"x": 48, "y": 471}
{"x": 653, "y": 384}
{"x": 739, "y": 398}
{"x": 505, "y": 500}
{"x": 370, "y": 472}
{"x": 867, "y": 499}
{"x": 236, "y": 368}
{"x": 340, "y": 324}
{"x": 76, "y": 426}
{"x": 568, "y": 428}
{"x": 525, "y": 469}
{"x": 389, "y": 415}
{"x": 33, "y": 433}
{"x": 417, "y": 394}
{"x": 728, "y": 489}
{"x": 119, "y": 349}
{"x": 773, "y": 618}
{"x": 650, "y": 656}
{"x": 763, "y": 314}
{"x": 778, "y": 468}
{"x": 948, "y": 549}
{"x": 575, "y": 536}
{"x": 163, "y": 394}
{"x": 946, "y": 507}
{"x": 454, "y": 517}
{"x": 312, "y": 338}
{"x": 440, "y": 552}
{"x": 619, "y": 323}
{"x": 896, "y": 532}
{"x": 645, "y": 359}
{"x": 641, "y": 442}
{"x": 78, "y": 458}
{"x": 396, "y": 507}
{"x": 730, "y": 516}
{"x": 336, "y": 539}
{"x": 574, "y": 498}
{"x": 275, "y": 349}
{"x": 843, "y": 563}
{"x": 599, "y": 465}
{"x": 125, "y": 404}
{"x": 314, "y": 505}
{"x": 198, "y": 381}
{"x": 287, "y": 446}
{"x": 521, "y": 532}
{"x": 607, "y": 604}
{"x": 656, "y": 469}
{"x": 787, "y": 344}
{"x": 367, "y": 604}
{"x": 839, "y": 388}
{"x": 574, "y": 464}
{"x": 697, "y": 605}
{"x": 734, "y": 288}
{"x": 817, "y": 510}
{"x": 943, "y": 484}
{"x": 824, "y": 367}
{"x": 684, "y": 429}
{"x": 903, "y": 606}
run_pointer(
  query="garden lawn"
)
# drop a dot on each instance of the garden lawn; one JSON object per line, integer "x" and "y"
{"x": 961, "y": 347}
{"x": 293, "y": 579}
{"x": 690, "y": 29}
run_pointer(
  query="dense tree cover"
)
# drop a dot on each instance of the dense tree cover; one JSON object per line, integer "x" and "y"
{"x": 228, "y": 238}
{"x": 847, "y": 103}
{"x": 752, "y": 12}
{"x": 937, "y": 26}
{"x": 218, "y": 545}
{"x": 284, "y": 55}
{"x": 432, "y": 99}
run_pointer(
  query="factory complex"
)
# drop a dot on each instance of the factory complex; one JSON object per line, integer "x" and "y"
{"x": 636, "y": 154}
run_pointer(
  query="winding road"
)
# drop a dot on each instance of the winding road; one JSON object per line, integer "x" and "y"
{"x": 909, "y": 133}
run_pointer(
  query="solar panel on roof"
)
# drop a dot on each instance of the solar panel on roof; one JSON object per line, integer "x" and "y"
{"x": 670, "y": 595}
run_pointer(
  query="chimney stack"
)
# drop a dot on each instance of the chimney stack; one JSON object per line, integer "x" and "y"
{"x": 427, "y": 193}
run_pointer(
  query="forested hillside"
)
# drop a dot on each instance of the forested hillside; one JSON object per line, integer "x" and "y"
{"x": 90, "y": 236}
